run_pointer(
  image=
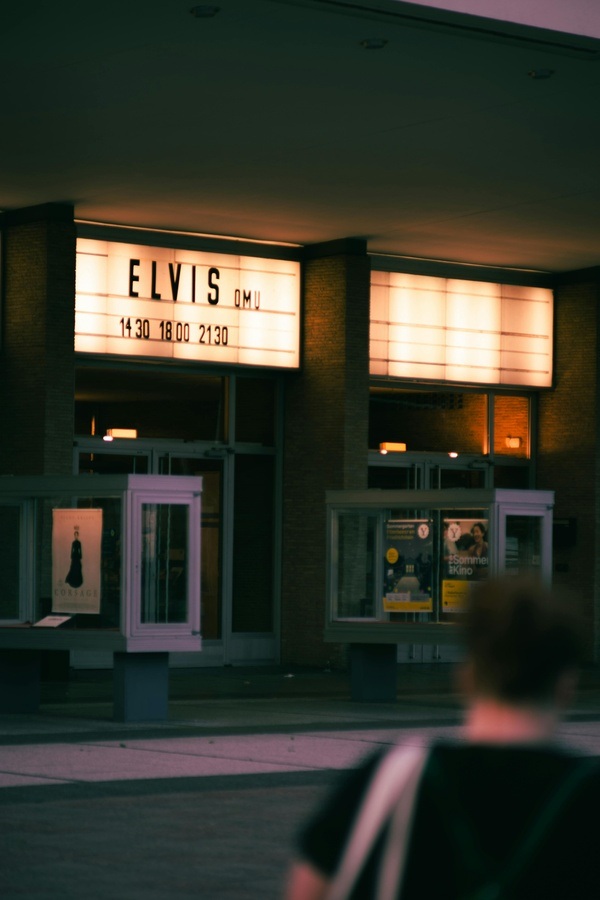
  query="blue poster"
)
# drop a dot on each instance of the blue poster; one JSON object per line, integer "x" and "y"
{"x": 408, "y": 565}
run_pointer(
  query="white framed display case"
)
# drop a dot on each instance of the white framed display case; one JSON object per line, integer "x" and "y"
{"x": 136, "y": 586}
{"x": 109, "y": 563}
{"x": 400, "y": 563}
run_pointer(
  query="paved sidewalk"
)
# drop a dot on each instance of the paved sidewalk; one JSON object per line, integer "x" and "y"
{"x": 247, "y": 721}
{"x": 206, "y": 804}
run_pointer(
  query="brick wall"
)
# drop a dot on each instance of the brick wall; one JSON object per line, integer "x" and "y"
{"x": 37, "y": 362}
{"x": 511, "y": 419}
{"x": 326, "y": 437}
{"x": 568, "y": 442}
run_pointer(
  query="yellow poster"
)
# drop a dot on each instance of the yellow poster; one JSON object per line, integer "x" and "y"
{"x": 454, "y": 595}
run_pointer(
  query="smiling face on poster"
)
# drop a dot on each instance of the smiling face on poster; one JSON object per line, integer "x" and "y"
{"x": 76, "y": 552}
{"x": 465, "y": 560}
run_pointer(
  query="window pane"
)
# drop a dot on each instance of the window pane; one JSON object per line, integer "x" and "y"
{"x": 463, "y": 478}
{"x": 511, "y": 426}
{"x": 355, "y": 575}
{"x": 157, "y": 404}
{"x": 164, "y": 563}
{"x": 518, "y": 477}
{"x": 253, "y": 534}
{"x": 255, "y": 411}
{"x": 523, "y": 543}
{"x": 392, "y": 477}
{"x": 428, "y": 421}
{"x": 9, "y": 561}
{"x": 112, "y": 464}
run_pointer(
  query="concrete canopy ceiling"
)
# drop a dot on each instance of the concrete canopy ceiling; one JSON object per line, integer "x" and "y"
{"x": 271, "y": 121}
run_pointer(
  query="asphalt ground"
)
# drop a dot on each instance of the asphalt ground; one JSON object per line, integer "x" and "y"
{"x": 206, "y": 804}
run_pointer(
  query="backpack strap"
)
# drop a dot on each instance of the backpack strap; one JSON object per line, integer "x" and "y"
{"x": 392, "y": 787}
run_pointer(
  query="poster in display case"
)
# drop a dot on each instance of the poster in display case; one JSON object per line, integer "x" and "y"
{"x": 408, "y": 565}
{"x": 465, "y": 559}
{"x": 430, "y": 548}
{"x": 76, "y": 555}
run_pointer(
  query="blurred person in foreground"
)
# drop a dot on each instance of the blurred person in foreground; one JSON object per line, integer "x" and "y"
{"x": 503, "y": 811}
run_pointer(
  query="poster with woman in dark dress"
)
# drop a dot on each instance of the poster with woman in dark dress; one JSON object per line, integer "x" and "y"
{"x": 76, "y": 551}
{"x": 75, "y": 574}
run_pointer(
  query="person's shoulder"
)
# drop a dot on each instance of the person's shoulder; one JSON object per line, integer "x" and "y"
{"x": 538, "y": 760}
{"x": 323, "y": 836}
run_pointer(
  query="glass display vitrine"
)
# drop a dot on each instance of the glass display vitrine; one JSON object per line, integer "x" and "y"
{"x": 401, "y": 563}
{"x": 101, "y": 562}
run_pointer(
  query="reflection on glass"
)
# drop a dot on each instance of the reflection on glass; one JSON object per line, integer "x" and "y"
{"x": 523, "y": 543}
{"x": 211, "y": 533}
{"x": 164, "y": 585}
{"x": 355, "y": 581}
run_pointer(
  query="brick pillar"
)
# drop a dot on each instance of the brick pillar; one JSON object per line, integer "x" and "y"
{"x": 569, "y": 422}
{"x": 326, "y": 435}
{"x": 38, "y": 360}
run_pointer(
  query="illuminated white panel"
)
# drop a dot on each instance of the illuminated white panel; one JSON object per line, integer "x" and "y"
{"x": 460, "y": 331}
{"x": 478, "y": 290}
{"x": 403, "y": 347}
{"x": 379, "y": 302}
{"x": 527, "y": 336}
{"x": 92, "y": 273}
{"x": 134, "y": 300}
{"x": 378, "y": 343}
{"x": 415, "y": 327}
{"x": 473, "y": 320}
{"x": 88, "y": 344}
{"x": 417, "y": 370}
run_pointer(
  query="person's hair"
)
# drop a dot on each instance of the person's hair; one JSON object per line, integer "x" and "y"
{"x": 520, "y": 638}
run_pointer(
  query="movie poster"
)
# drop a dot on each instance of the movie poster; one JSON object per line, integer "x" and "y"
{"x": 465, "y": 560}
{"x": 76, "y": 555}
{"x": 408, "y": 565}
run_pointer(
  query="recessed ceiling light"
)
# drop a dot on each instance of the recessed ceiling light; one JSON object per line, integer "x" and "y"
{"x": 204, "y": 12}
{"x": 539, "y": 74}
{"x": 373, "y": 43}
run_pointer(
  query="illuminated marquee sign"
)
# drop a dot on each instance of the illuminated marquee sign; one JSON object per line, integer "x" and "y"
{"x": 445, "y": 329}
{"x": 134, "y": 300}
